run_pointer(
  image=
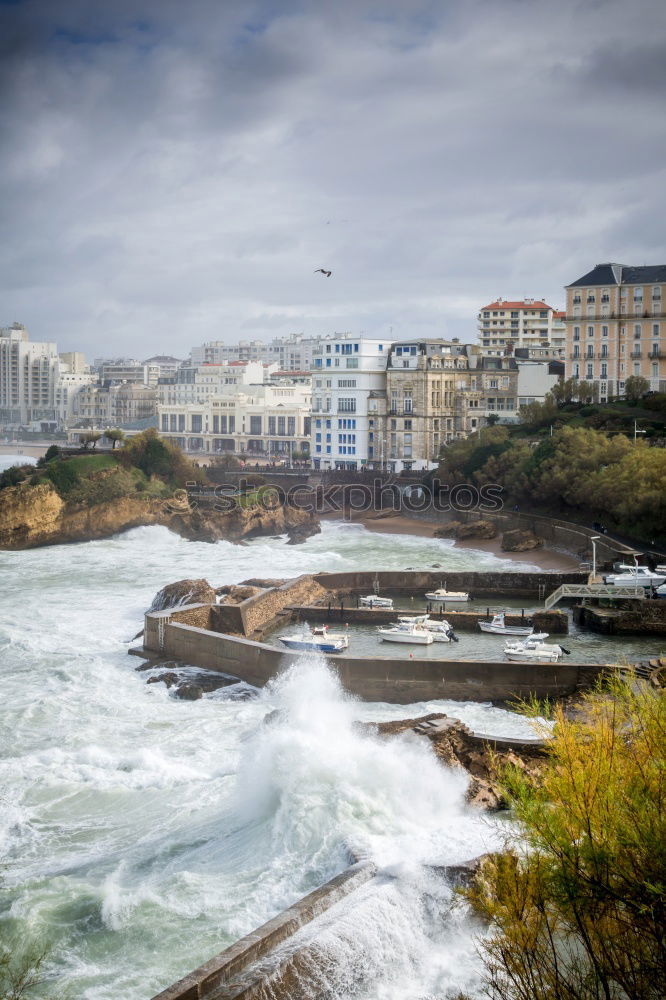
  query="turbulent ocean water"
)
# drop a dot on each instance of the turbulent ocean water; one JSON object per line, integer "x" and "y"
{"x": 140, "y": 834}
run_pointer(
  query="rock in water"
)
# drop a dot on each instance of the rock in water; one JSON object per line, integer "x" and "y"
{"x": 175, "y": 595}
{"x": 520, "y": 540}
{"x": 300, "y": 532}
{"x": 466, "y": 529}
{"x": 189, "y": 692}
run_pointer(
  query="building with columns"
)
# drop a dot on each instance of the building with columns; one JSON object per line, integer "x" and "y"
{"x": 616, "y": 327}
{"x": 254, "y": 422}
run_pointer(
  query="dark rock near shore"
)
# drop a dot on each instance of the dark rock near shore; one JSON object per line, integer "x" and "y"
{"x": 300, "y": 532}
{"x": 466, "y": 529}
{"x": 189, "y": 692}
{"x": 519, "y": 540}
{"x": 168, "y": 678}
{"x": 174, "y": 595}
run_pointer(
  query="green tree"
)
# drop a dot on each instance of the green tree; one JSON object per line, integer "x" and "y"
{"x": 114, "y": 435}
{"x": 90, "y": 439}
{"x": 22, "y": 968}
{"x": 577, "y": 906}
{"x": 53, "y": 451}
{"x": 635, "y": 388}
{"x": 157, "y": 456}
{"x": 492, "y": 419}
{"x": 227, "y": 461}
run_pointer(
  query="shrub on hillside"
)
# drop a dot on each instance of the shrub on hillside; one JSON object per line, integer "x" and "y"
{"x": 14, "y": 475}
{"x": 64, "y": 477}
{"x": 577, "y": 906}
{"x": 156, "y": 456}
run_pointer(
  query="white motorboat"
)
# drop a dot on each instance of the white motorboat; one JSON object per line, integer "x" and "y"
{"x": 375, "y": 601}
{"x": 661, "y": 568}
{"x": 498, "y": 626}
{"x": 442, "y": 595}
{"x": 307, "y": 641}
{"x": 533, "y": 648}
{"x": 322, "y": 630}
{"x": 661, "y": 591}
{"x": 635, "y": 576}
{"x": 441, "y": 630}
{"x": 409, "y": 632}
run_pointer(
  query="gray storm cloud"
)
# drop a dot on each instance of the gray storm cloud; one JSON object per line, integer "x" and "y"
{"x": 172, "y": 174}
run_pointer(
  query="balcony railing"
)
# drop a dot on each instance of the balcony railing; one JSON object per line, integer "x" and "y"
{"x": 636, "y": 354}
{"x": 624, "y": 314}
{"x": 657, "y": 354}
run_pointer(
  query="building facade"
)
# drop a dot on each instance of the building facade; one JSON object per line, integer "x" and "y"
{"x": 292, "y": 354}
{"x": 529, "y": 323}
{"x": 346, "y": 370}
{"x": 253, "y": 422}
{"x": 113, "y": 405}
{"x": 616, "y": 327}
{"x": 29, "y": 372}
{"x": 416, "y": 417}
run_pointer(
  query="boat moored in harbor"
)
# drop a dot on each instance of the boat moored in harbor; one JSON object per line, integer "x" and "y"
{"x": 533, "y": 648}
{"x": 411, "y": 632}
{"x": 375, "y": 601}
{"x": 442, "y": 595}
{"x": 498, "y": 626}
{"x": 319, "y": 642}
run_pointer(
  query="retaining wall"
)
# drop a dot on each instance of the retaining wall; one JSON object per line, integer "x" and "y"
{"x": 553, "y": 622}
{"x": 511, "y": 584}
{"x": 563, "y": 535}
{"x": 377, "y": 678}
{"x": 221, "y": 972}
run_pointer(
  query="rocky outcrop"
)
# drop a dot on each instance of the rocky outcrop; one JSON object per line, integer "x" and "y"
{"x": 237, "y": 593}
{"x": 519, "y": 540}
{"x": 466, "y": 529}
{"x": 31, "y": 516}
{"x": 174, "y": 595}
{"x": 300, "y": 532}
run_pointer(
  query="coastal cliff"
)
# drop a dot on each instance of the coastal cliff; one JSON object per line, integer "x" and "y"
{"x": 31, "y": 516}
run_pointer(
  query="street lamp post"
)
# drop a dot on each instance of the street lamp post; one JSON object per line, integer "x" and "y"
{"x": 594, "y": 539}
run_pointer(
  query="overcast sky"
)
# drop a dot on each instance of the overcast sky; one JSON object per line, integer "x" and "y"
{"x": 174, "y": 172}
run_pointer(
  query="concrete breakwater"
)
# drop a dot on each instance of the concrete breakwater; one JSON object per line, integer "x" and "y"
{"x": 214, "y": 636}
{"x": 229, "y": 975}
{"x": 254, "y": 616}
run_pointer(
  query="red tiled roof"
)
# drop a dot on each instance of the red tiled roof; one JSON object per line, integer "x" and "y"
{"x": 537, "y": 304}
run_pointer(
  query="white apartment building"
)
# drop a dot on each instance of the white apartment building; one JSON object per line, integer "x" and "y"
{"x": 67, "y": 389}
{"x": 73, "y": 363}
{"x": 290, "y": 354}
{"x": 529, "y": 323}
{"x": 198, "y": 383}
{"x": 29, "y": 373}
{"x": 346, "y": 370}
{"x": 254, "y": 422}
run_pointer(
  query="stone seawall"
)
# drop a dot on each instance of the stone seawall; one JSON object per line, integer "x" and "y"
{"x": 553, "y": 622}
{"x": 223, "y": 974}
{"x": 377, "y": 678}
{"x": 511, "y": 584}
{"x": 647, "y": 618}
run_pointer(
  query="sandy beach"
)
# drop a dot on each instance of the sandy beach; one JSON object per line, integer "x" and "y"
{"x": 399, "y": 524}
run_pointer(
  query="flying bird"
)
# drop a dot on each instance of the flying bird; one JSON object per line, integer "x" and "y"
{"x": 321, "y": 270}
